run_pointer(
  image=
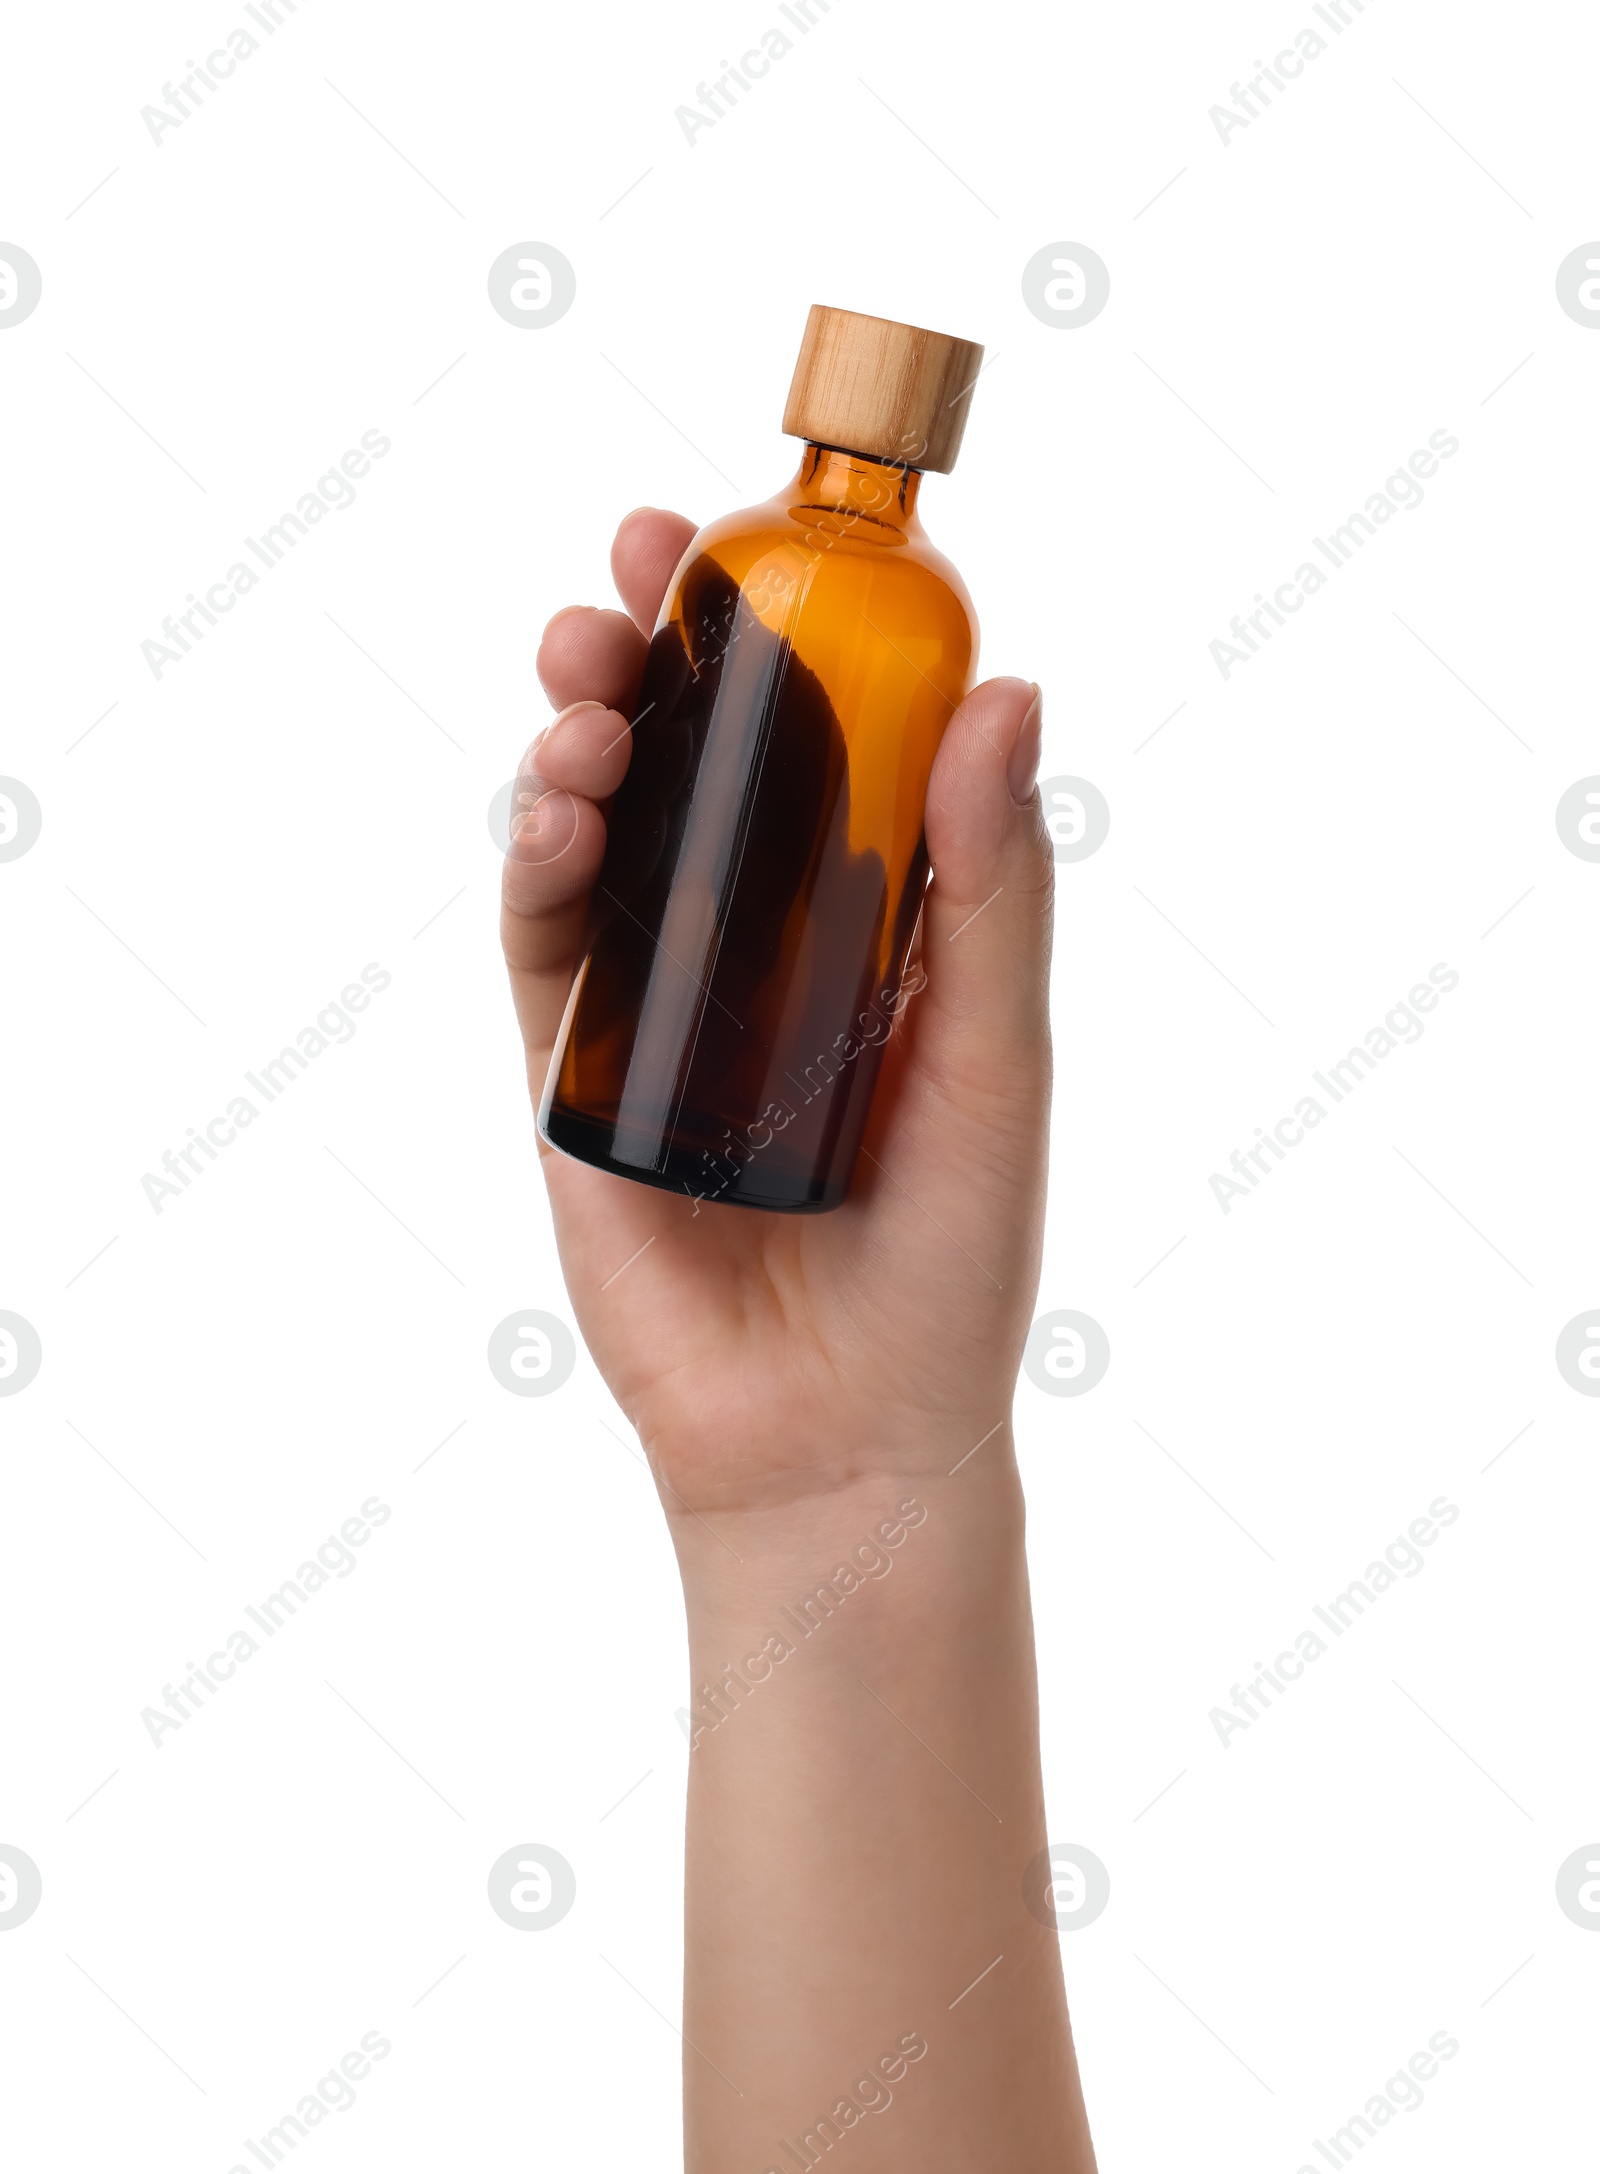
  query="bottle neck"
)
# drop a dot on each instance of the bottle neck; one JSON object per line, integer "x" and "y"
{"x": 853, "y": 489}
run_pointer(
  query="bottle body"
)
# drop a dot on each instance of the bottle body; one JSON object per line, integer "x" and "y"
{"x": 765, "y": 861}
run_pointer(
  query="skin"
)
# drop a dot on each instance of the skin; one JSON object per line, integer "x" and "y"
{"x": 810, "y": 1392}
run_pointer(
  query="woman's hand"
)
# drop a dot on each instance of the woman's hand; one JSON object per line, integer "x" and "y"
{"x": 762, "y": 1357}
{"x": 824, "y": 1401}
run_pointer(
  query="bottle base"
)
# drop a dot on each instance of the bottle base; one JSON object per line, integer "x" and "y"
{"x": 683, "y": 1171}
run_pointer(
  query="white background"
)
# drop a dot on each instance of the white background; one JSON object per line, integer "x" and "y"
{"x": 1299, "y": 844}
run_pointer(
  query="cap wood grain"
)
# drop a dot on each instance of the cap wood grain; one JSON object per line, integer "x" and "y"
{"x": 893, "y": 392}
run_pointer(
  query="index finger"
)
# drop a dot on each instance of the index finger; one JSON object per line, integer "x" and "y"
{"x": 649, "y": 543}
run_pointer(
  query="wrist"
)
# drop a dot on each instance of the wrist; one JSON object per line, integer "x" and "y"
{"x": 881, "y": 1610}
{"x": 886, "y": 1559}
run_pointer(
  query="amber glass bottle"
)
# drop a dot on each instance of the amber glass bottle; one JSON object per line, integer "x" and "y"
{"x": 765, "y": 862}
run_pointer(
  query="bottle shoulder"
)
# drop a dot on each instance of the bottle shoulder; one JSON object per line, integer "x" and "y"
{"x": 778, "y": 544}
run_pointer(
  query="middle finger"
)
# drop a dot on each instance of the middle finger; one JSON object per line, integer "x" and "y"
{"x": 590, "y": 655}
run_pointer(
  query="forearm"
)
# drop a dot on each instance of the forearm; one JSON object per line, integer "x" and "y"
{"x": 864, "y": 1801}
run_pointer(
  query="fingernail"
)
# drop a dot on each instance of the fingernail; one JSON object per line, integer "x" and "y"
{"x": 571, "y": 710}
{"x": 1022, "y": 768}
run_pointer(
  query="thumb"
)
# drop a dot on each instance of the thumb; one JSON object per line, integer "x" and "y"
{"x": 983, "y": 1034}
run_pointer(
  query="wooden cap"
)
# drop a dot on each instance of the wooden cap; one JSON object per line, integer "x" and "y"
{"x": 891, "y": 391}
